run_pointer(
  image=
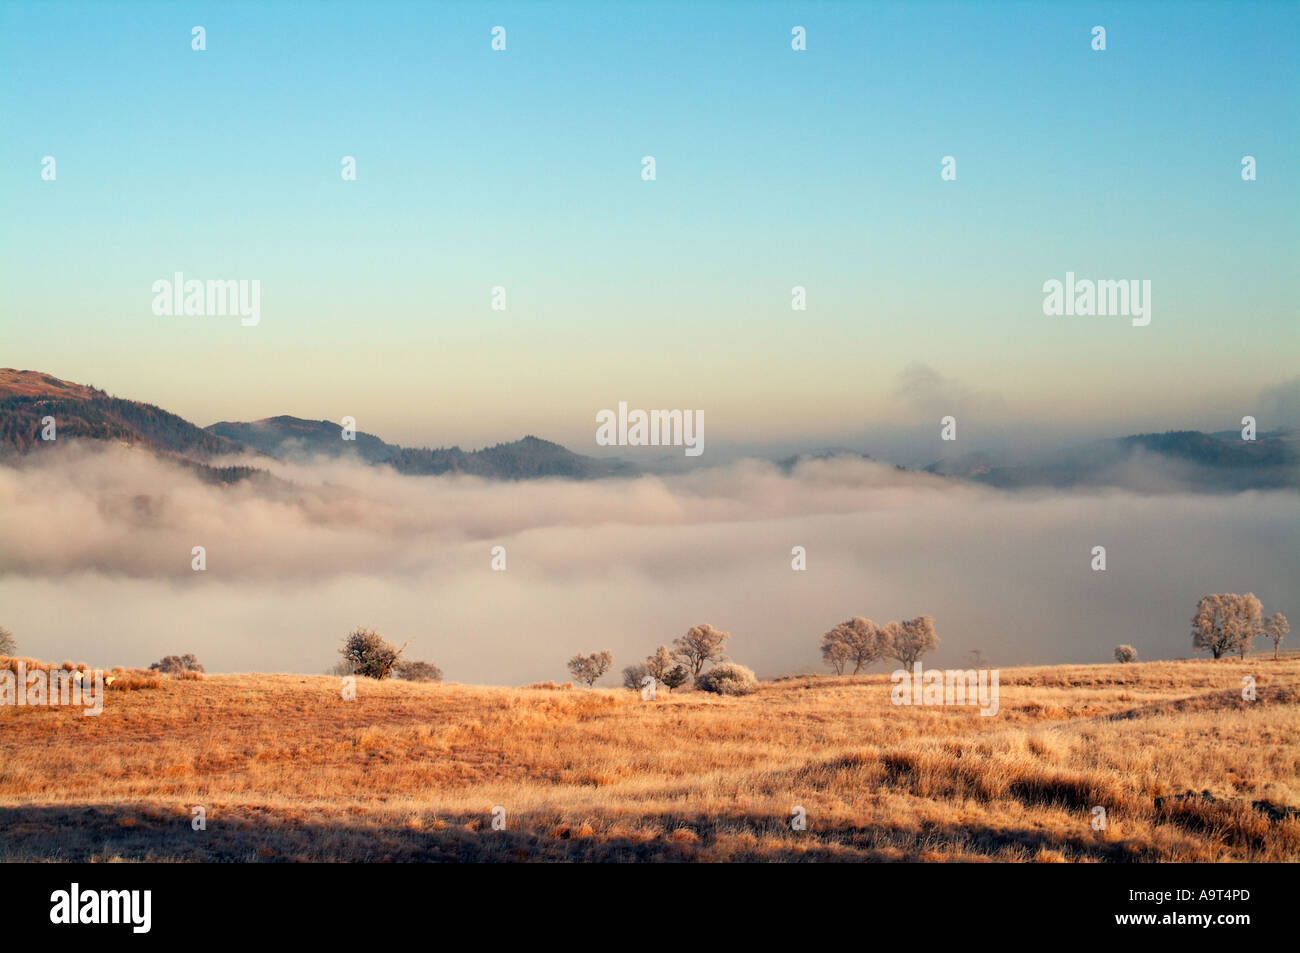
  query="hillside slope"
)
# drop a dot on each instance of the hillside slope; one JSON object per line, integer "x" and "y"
{"x": 410, "y": 772}
{"x": 86, "y": 413}
{"x": 83, "y": 412}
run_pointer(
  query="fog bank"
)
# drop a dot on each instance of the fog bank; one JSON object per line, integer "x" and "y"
{"x": 95, "y": 564}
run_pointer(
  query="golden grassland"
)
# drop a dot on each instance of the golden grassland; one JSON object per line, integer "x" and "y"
{"x": 287, "y": 770}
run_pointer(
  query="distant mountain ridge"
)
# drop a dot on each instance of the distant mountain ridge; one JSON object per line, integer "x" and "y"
{"x": 1218, "y": 462}
{"x": 526, "y": 459}
{"x": 82, "y": 412}
{"x": 286, "y": 437}
{"x": 529, "y": 458}
{"x": 1209, "y": 462}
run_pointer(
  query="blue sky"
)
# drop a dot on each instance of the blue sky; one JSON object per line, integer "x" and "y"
{"x": 775, "y": 168}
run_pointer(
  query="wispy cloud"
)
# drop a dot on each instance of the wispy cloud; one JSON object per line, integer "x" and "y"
{"x": 924, "y": 390}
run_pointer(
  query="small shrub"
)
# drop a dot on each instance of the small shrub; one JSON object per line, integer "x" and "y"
{"x": 134, "y": 680}
{"x": 416, "y": 671}
{"x": 10, "y": 663}
{"x": 8, "y": 644}
{"x": 728, "y": 679}
{"x": 1125, "y": 653}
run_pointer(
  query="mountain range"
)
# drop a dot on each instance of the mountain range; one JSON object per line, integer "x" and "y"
{"x": 1211, "y": 462}
{"x": 1191, "y": 459}
{"x": 85, "y": 412}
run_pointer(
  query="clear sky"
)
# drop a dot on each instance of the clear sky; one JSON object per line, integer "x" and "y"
{"x": 775, "y": 168}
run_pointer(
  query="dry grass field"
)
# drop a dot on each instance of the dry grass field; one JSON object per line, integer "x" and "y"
{"x": 286, "y": 770}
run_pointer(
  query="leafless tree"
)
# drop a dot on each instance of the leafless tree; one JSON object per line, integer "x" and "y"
{"x": 908, "y": 641}
{"x": 700, "y": 644}
{"x": 835, "y": 651}
{"x": 660, "y": 663}
{"x": 634, "y": 675}
{"x": 1207, "y": 627}
{"x": 1275, "y": 627}
{"x": 863, "y": 639}
{"x": 367, "y": 653}
{"x": 588, "y": 668}
{"x": 1226, "y": 622}
{"x": 1247, "y": 623}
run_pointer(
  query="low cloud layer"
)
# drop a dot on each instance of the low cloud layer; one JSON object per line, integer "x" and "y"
{"x": 95, "y": 552}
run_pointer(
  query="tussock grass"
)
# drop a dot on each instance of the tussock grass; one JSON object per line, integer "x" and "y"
{"x": 287, "y": 770}
{"x": 116, "y": 680}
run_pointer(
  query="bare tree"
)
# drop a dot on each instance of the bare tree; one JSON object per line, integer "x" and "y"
{"x": 659, "y": 664}
{"x": 835, "y": 651}
{"x": 1275, "y": 627}
{"x": 1207, "y": 627}
{"x": 367, "y": 653}
{"x": 700, "y": 644}
{"x": 1247, "y": 623}
{"x": 634, "y": 675}
{"x": 864, "y": 640}
{"x": 8, "y": 644}
{"x": 588, "y": 668}
{"x": 1226, "y": 622}
{"x": 890, "y": 633}
{"x": 1125, "y": 653}
{"x": 908, "y": 641}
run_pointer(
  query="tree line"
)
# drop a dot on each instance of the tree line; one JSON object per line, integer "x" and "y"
{"x": 674, "y": 667}
{"x": 859, "y": 642}
{"x": 1224, "y": 623}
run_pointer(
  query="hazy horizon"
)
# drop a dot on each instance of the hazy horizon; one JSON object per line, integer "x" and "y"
{"x": 909, "y": 439}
